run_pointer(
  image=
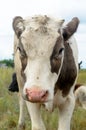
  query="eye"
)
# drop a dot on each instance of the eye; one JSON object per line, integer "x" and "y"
{"x": 58, "y": 55}
{"x": 22, "y": 51}
{"x": 23, "y": 58}
{"x": 61, "y": 50}
{"x": 19, "y": 48}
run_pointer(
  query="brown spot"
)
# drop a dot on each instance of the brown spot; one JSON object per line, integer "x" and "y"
{"x": 56, "y": 57}
{"x": 42, "y": 29}
{"x": 37, "y": 77}
{"x": 68, "y": 72}
{"x": 41, "y": 19}
{"x": 23, "y": 58}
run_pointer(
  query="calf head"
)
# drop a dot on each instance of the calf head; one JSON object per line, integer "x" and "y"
{"x": 40, "y": 45}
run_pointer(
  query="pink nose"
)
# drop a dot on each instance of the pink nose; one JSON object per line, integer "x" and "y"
{"x": 36, "y": 95}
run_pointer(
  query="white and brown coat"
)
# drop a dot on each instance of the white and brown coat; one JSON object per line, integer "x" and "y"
{"x": 46, "y": 64}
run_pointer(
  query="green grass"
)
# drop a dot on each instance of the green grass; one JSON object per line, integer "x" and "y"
{"x": 82, "y": 77}
{"x": 9, "y": 107}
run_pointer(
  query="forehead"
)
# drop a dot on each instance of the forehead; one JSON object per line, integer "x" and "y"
{"x": 40, "y": 35}
{"x": 37, "y": 21}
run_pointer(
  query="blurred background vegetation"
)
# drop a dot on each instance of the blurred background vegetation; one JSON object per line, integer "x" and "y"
{"x": 7, "y": 62}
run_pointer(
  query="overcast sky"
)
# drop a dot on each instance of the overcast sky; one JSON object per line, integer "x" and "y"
{"x": 66, "y": 9}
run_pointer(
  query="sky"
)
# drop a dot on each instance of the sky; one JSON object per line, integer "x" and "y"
{"x": 64, "y": 9}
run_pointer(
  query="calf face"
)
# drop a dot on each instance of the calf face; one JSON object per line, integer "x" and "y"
{"x": 40, "y": 48}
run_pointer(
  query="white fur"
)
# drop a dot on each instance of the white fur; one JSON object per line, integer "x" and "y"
{"x": 39, "y": 50}
{"x": 74, "y": 47}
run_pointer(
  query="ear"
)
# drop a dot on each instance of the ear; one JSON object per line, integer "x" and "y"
{"x": 18, "y": 25}
{"x": 70, "y": 28}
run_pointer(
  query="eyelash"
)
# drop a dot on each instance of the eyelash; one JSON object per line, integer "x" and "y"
{"x": 22, "y": 52}
{"x": 61, "y": 50}
{"x": 58, "y": 54}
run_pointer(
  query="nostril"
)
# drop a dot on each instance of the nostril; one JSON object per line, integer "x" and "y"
{"x": 28, "y": 91}
{"x": 45, "y": 94}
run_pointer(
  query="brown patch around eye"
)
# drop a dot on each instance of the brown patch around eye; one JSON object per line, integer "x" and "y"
{"x": 23, "y": 55}
{"x": 55, "y": 65}
{"x": 24, "y": 63}
{"x": 68, "y": 72}
{"x": 55, "y": 58}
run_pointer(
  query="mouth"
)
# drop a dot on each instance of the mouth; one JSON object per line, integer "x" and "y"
{"x": 47, "y": 104}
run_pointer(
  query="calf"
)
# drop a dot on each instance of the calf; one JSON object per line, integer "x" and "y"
{"x": 46, "y": 64}
{"x": 13, "y": 87}
{"x": 80, "y": 95}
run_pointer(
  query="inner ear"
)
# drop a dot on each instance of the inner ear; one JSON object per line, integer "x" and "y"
{"x": 18, "y": 25}
{"x": 70, "y": 28}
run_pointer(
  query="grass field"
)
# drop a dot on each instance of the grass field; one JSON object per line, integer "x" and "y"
{"x": 9, "y": 107}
